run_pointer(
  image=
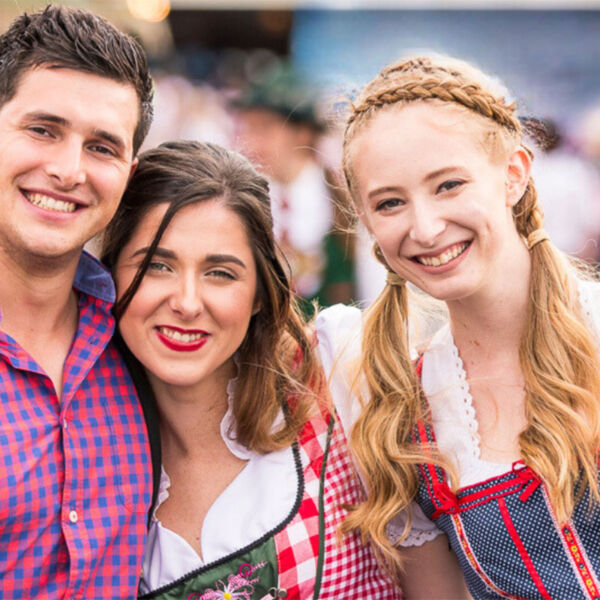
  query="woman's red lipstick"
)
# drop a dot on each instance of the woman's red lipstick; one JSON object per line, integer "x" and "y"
{"x": 180, "y": 345}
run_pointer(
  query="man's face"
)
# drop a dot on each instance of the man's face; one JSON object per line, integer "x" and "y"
{"x": 65, "y": 159}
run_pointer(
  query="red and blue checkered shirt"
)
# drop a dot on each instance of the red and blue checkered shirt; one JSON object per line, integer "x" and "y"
{"x": 75, "y": 471}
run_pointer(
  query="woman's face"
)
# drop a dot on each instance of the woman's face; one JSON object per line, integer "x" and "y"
{"x": 437, "y": 202}
{"x": 193, "y": 307}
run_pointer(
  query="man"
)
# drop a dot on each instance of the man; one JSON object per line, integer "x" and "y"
{"x": 75, "y": 105}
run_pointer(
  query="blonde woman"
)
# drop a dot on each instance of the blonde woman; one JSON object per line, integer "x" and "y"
{"x": 491, "y": 436}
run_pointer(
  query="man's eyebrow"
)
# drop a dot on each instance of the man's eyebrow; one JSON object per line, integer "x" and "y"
{"x": 111, "y": 138}
{"x": 38, "y": 115}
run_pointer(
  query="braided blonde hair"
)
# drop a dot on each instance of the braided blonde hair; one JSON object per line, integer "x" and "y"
{"x": 557, "y": 355}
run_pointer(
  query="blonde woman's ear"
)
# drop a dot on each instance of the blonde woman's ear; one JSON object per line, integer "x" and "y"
{"x": 518, "y": 170}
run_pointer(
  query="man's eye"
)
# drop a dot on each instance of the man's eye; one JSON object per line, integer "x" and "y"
{"x": 100, "y": 149}
{"x": 39, "y": 130}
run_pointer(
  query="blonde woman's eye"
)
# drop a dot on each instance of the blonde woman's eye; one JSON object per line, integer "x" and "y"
{"x": 389, "y": 204}
{"x": 450, "y": 185}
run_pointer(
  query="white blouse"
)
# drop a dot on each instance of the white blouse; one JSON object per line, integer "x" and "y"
{"x": 260, "y": 497}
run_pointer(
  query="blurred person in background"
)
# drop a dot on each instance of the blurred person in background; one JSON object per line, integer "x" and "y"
{"x": 278, "y": 127}
{"x": 569, "y": 188}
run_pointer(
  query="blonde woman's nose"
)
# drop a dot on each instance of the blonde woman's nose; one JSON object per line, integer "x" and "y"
{"x": 426, "y": 224}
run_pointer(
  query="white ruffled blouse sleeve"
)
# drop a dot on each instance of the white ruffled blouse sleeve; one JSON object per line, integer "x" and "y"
{"x": 338, "y": 331}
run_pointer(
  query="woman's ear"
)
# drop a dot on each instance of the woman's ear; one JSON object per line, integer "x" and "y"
{"x": 518, "y": 169}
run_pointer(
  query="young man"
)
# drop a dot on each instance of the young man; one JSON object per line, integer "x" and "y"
{"x": 75, "y": 105}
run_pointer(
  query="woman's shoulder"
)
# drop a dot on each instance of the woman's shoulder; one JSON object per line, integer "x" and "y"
{"x": 589, "y": 299}
{"x": 338, "y": 331}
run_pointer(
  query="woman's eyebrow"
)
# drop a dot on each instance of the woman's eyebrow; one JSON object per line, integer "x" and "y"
{"x": 225, "y": 258}
{"x": 162, "y": 252}
{"x": 211, "y": 258}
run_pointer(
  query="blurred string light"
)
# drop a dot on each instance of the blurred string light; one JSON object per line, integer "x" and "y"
{"x": 153, "y": 11}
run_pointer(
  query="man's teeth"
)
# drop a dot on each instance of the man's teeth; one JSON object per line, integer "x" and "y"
{"x": 51, "y": 203}
{"x": 186, "y": 338}
{"x": 444, "y": 257}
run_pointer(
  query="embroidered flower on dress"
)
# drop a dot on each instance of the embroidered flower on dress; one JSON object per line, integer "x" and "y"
{"x": 239, "y": 586}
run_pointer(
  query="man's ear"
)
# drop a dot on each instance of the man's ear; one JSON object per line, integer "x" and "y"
{"x": 134, "y": 166}
{"x": 518, "y": 170}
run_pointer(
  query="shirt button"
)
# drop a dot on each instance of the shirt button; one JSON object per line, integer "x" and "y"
{"x": 65, "y": 423}
{"x": 73, "y": 516}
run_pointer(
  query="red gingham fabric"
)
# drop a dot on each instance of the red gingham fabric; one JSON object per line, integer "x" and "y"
{"x": 75, "y": 471}
{"x": 350, "y": 570}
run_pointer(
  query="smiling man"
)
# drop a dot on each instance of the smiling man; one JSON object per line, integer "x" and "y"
{"x": 75, "y": 105}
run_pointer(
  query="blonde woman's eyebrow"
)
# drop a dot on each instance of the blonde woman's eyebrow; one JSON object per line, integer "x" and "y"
{"x": 439, "y": 172}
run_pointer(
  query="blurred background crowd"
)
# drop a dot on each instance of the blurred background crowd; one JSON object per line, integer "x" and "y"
{"x": 272, "y": 78}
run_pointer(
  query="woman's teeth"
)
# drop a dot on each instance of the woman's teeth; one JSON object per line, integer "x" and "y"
{"x": 186, "y": 338}
{"x": 444, "y": 257}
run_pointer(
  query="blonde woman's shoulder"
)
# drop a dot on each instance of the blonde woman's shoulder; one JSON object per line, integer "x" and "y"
{"x": 338, "y": 330}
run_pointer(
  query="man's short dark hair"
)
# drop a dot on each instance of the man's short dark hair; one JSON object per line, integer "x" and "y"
{"x": 65, "y": 37}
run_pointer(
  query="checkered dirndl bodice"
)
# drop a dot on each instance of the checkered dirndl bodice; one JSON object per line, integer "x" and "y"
{"x": 313, "y": 564}
{"x": 302, "y": 559}
{"x": 506, "y": 537}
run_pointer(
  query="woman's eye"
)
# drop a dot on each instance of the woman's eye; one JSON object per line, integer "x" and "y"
{"x": 221, "y": 274}
{"x": 449, "y": 185}
{"x": 158, "y": 267}
{"x": 389, "y": 204}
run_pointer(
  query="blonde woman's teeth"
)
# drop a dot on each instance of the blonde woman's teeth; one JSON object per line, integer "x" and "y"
{"x": 50, "y": 203}
{"x": 444, "y": 257}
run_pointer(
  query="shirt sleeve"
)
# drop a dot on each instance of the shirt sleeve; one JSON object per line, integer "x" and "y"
{"x": 338, "y": 331}
{"x": 422, "y": 530}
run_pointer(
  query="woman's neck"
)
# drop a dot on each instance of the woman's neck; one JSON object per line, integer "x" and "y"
{"x": 191, "y": 416}
{"x": 493, "y": 319}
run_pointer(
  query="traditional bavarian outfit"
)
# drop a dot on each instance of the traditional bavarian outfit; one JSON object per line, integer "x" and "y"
{"x": 272, "y": 532}
{"x": 500, "y": 522}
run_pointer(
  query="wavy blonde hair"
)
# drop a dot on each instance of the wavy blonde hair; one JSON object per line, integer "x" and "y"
{"x": 557, "y": 354}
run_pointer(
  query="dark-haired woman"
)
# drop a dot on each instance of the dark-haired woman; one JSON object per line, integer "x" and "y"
{"x": 255, "y": 466}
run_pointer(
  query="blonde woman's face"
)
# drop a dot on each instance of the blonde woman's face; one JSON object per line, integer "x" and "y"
{"x": 435, "y": 200}
{"x": 194, "y": 305}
